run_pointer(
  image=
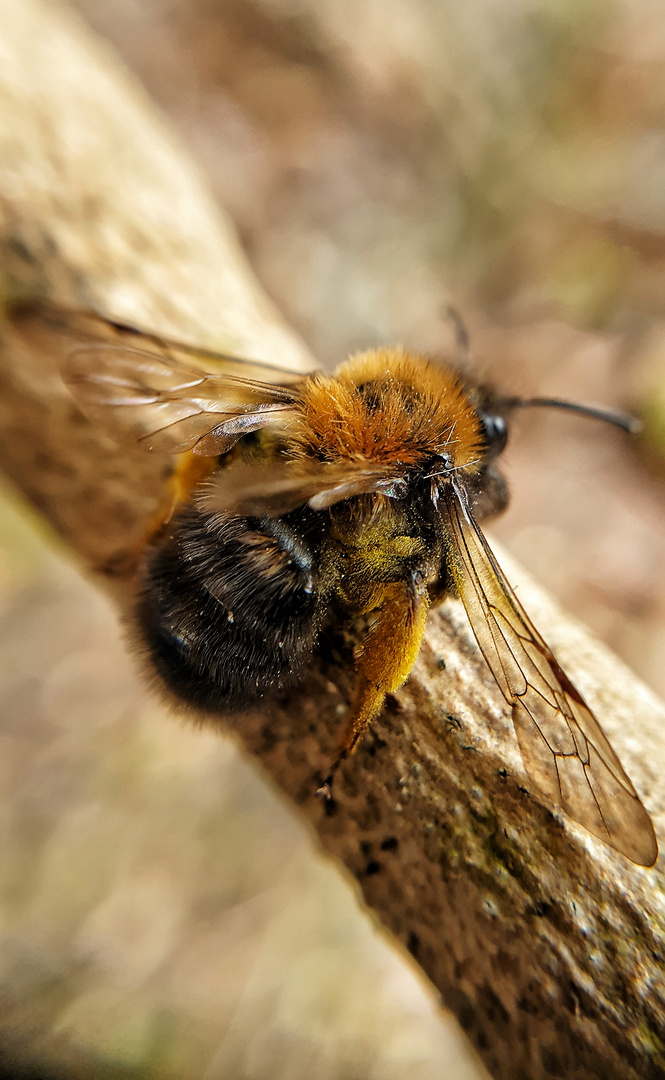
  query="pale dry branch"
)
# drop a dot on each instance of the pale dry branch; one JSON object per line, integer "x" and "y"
{"x": 547, "y": 946}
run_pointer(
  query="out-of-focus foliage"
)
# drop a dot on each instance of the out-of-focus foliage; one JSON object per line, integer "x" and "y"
{"x": 376, "y": 155}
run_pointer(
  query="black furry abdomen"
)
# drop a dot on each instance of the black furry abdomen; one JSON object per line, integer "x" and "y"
{"x": 230, "y": 607}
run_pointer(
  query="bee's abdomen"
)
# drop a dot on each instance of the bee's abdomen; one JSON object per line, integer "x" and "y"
{"x": 230, "y": 606}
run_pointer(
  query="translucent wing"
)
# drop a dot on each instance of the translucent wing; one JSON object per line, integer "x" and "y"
{"x": 167, "y": 396}
{"x": 563, "y": 746}
{"x": 253, "y": 490}
{"x": 167, "y": 406}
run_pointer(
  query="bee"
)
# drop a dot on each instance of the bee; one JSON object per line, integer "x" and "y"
{"x": 359, "y": 492}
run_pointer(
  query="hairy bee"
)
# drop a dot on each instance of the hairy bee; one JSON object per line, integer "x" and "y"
{"x": 360, "y": 491}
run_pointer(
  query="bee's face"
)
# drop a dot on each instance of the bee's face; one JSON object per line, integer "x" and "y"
{"x": 357, "y": 492}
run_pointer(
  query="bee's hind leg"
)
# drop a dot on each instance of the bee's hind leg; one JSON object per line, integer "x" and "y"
{"x": 389, "y": 653}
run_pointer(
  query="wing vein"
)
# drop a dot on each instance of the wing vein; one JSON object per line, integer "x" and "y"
{"x": 564, "y": 749}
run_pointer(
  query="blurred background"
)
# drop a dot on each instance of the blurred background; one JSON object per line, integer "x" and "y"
{"x": 163, "y": 914}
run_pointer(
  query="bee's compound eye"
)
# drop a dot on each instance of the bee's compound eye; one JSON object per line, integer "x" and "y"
{"x": 496, "y": 432}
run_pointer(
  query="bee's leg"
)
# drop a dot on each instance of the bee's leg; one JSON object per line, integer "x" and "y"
{"x": 189, "y": 471}
{"x": 389, "y": 653}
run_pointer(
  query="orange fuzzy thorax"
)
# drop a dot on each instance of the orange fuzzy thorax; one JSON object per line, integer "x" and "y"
{"x": 415, "y": 409}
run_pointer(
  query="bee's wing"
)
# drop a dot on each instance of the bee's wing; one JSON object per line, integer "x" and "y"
{"x": 563, "y": 746}
{"x": 166, "y": 396}
{"x": 253, "y": 490}
{"x": 168, "y": 406}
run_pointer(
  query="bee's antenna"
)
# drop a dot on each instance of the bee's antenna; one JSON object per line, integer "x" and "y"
{"x": 620, "y": 419}
{"x": 452, "y": 315}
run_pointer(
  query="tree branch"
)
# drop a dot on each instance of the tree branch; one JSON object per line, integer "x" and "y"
{"x": 547, "y": 946}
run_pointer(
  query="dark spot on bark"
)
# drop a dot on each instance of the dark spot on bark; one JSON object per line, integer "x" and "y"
{"x": 413, "y": 944}
{"x": 490, "y": 1005}
{"x": 551, "y": 1062}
